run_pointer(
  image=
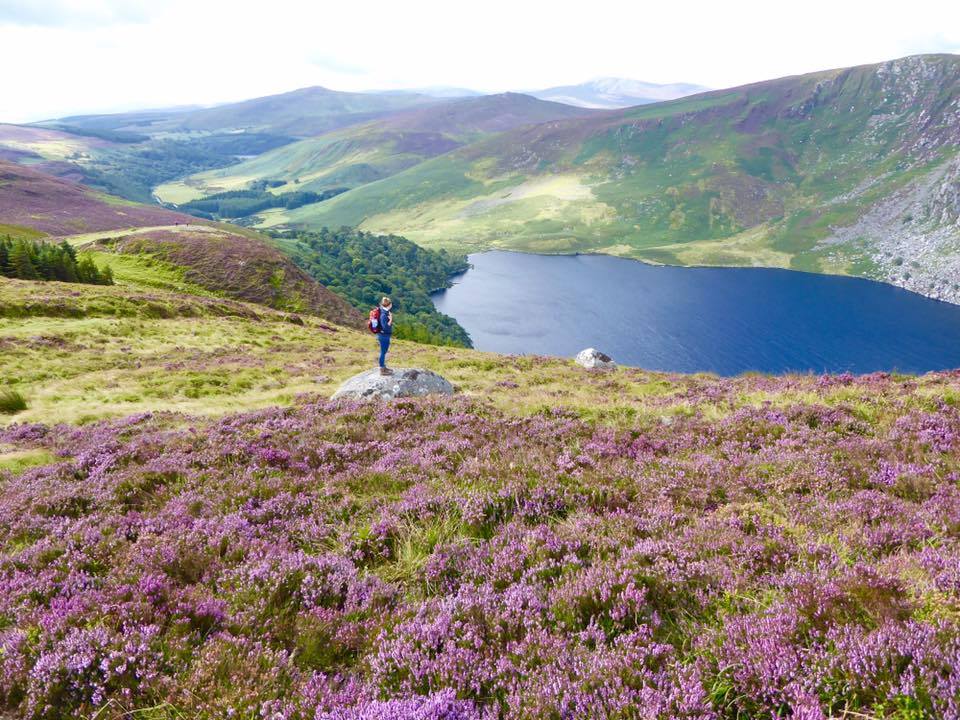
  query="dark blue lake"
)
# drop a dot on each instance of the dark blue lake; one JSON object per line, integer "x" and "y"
{"x": 725, "y": 320}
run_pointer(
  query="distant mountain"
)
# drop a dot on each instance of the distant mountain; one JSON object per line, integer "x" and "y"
{"x": 616, "y": 93}
{"x": 437, "y": 91}
{"x": 300, "y": 113}
{"x": 372, "y": 151}
{"x": 853, "y": 170}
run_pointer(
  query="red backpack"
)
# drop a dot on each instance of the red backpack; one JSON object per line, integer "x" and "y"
{"x": 373, "y": 322}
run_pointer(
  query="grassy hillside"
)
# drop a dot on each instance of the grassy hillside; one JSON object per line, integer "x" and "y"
{"x": 82, "y": 353}
{"x": 225, "y": 260}
{"x": 552, "y": 543}
{"x": 128, "y": 154}
{"x": 244, "y": 267}
{"x": 49, "y": 150}
{"x": 153, "y": 248}
{"x": 33, "y": 203}
{"x": 372, "y": 151}
{"x": 122, "y": 162}
{"x": 849, "y": 171}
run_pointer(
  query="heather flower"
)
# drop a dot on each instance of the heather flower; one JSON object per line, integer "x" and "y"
{"x": 796, "y": 558}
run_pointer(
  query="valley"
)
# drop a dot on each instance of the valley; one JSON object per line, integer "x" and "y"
{"x": 604, "y": 364}
{"x": 774, "y": 174}
{"x": 849, "y": 171}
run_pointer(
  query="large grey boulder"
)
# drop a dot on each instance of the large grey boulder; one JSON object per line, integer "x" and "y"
{"x": 593, "y": 359}
{"x": 405, "y": 382}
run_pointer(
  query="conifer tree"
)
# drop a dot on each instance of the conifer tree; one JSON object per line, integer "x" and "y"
{"x": 21, "y": 261}
{"x": 31, "y": 260}
{"x": 5, "y": 268}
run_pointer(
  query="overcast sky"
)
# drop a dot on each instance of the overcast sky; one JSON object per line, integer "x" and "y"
{"x": 60, "y": 57}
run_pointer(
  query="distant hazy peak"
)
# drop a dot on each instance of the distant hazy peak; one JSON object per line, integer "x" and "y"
{"x": 438, "y": 91}
{"x": 612, "y": 92}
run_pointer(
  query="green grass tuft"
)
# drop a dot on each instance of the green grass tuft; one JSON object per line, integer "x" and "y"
{"x": 11, "y": 402}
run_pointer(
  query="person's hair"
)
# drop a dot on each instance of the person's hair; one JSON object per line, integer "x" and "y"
{"x": 385, "y": 302}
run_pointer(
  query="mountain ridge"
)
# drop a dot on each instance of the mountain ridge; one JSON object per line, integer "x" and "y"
{"x": 299, "y": 113}
{"x": 845, "y": 170}
{"x": 755, "y": 175}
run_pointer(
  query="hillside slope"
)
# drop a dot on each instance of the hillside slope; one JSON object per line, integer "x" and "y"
{"x": 54, "y": 152}
{"x": 765, "y": 174}
{"x": 241, "y": 266}
{"x": 371, "y": 151}
{"x": 36, "y": 202}
{"x": 552, "y": 543}
{"x": 232, "y": 262}
{"x": 128, "y": 154}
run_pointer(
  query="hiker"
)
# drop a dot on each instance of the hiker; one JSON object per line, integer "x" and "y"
{"x": 381, "y": 323}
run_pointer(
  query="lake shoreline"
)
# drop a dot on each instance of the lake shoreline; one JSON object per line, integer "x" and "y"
{"x": 722, "y": 319}
{"x": 654, "y": 263}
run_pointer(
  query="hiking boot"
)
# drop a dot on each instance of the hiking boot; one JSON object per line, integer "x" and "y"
{"x": 386, "y": 371}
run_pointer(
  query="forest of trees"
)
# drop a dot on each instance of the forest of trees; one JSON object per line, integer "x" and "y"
{"x": 32, "y": 260}
{"x": 117, "y": 136}
{"x": 242, "y": 203}
{"x": 363, "y": 267}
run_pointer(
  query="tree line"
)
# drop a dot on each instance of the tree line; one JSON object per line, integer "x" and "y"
{"x": 362, "y": 267}
{"x": 31, "y": 260}
{"x": 242, "y": 203}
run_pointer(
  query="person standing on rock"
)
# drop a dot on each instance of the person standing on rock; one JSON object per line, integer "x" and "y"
{"x": 384, "y": 333}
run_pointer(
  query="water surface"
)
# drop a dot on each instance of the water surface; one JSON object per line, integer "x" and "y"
{"x": 725, "y": 320}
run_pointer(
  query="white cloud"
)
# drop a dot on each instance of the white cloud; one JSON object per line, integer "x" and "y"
{"x": 76, "y": 13}
{"x": 65, "y": 57}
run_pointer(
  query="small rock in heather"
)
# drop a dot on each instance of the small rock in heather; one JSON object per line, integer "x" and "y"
{"x": 593, "y": 359}
{"x": 404, "y": 382}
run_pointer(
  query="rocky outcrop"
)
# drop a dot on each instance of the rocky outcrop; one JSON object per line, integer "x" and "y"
{"x": 405, "y": 382}
{"x": 911, "y": 237}
{"x": 593, "y": 359}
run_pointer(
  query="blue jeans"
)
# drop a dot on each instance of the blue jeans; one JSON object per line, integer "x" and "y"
{"x": 384, "y": 346}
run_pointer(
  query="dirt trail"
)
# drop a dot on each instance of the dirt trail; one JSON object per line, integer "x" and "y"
{"x": 82, "y": 239}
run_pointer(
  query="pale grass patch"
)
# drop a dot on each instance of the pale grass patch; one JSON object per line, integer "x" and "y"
{"x": 499, "y": 219}
{"x": 749, "y": 248}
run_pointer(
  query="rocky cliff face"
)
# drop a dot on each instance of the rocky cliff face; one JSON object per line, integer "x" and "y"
{"x": 912, "y": 237}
